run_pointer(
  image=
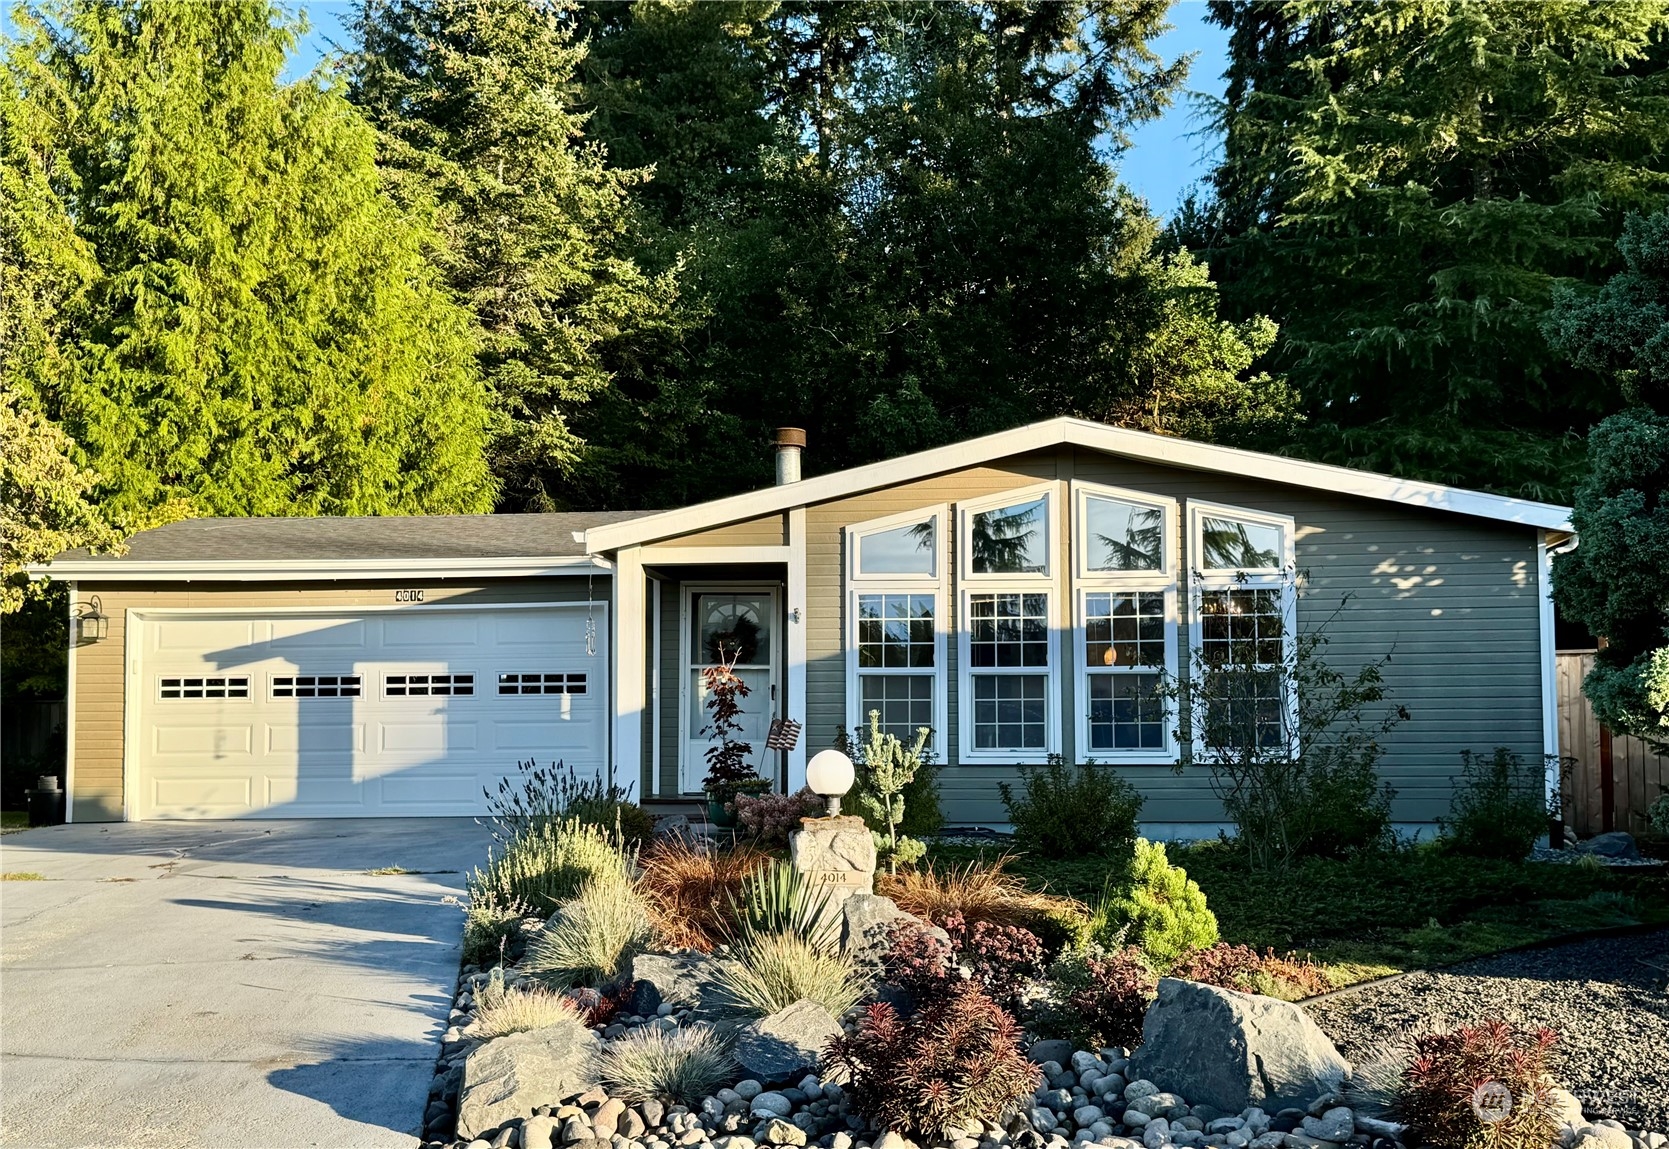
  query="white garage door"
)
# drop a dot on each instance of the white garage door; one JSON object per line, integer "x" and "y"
{"x": 377, "y": 713}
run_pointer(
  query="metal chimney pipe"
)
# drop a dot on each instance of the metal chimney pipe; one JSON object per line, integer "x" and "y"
{"x": 790, "y": 442}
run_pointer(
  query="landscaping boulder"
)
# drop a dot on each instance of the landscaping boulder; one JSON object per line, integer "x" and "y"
{"x": 1055, "y": 1049}
{"x": 1232, "y": 1050}
{"x": 865, "y": 920}
{"x": 785, "y": 1046}
{"x": 510, "y": 1077}
{"x": 682, "y": 980}
{"x": 1616, "y": 844}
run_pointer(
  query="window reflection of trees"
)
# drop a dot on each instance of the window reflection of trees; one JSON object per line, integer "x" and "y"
{"x": 1228, "y": 545}
{"x": 1142, "y": 545}
{"x": 1002, "y": 540}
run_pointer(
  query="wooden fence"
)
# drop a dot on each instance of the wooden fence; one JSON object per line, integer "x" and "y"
{"x": 1613, "y": 779}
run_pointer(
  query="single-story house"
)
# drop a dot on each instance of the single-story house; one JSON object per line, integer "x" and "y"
{"x": 1019, "y": 594}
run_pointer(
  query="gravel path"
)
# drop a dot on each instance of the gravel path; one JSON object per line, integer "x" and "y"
{"x": 1607, "y": 998}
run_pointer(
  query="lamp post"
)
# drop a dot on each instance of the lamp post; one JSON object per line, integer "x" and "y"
{"x": 830, "y": 774}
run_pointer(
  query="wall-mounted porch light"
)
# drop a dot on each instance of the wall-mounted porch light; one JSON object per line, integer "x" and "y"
{"x": 88, "y": 623}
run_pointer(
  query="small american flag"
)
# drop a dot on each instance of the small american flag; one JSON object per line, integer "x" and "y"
{"x": 784, "y": 734}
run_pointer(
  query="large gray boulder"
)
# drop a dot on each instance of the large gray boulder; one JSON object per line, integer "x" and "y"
{"x": 683, "y": 980}
{"x": 865, "y": 920}
{"x": 785, "y": 1046}
{"x": 1232, "y": 1050}
{"x": 1616, "y": 844}
{"x": 511, "y": 1076}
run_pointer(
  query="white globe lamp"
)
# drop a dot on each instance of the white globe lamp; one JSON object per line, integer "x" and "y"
{"x": 830, "y": 774}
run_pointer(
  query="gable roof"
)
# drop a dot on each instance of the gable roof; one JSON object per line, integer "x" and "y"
{"x": 1184, "y": 453}
{"x": 345, "y": 547}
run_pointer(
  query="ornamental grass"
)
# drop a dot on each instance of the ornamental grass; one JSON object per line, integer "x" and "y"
{"x": 690, "y": 890}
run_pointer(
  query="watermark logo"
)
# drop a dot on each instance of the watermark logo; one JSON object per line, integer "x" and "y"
{"x": 1492, "y": 1102}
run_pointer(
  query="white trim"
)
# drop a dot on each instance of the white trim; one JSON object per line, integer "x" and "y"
{"x": 69, "y": 715}
{"x": 1049, "y": 492}
{"x": 438, "y": 605}
{"x": 1159, "y": 449}
{"x": 1284, "y": 580}
{"x": 626, "y": 655}
{"x": 709, "y": 556}
{"x": 132, "y": 651}
{"x": 939, "y": 513}
{"x": 1163, "y": 581}
{"x": 655, "y": 586}
{"x": 291, "y": 570}
{"x": 796, "y": 618}
{"x": 1545, "y": 550}
{"x": 967, "y": 754}
{"x": 689, "y": 773}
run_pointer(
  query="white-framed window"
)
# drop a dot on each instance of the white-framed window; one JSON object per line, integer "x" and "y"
{"x": 1125, "y": 631}
{"x": 184, "y": 687}
{"x": 427, "y": 685}
{"x": 1009, "y": 696}
{"x": 531, "y": 683}
{"x": 316, "y": 686}
{"x": 1243, "y": 628}
{"x": 896, "y": 626}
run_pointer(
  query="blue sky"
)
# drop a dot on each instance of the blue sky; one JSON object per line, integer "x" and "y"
{"x": 1166, "y": 157}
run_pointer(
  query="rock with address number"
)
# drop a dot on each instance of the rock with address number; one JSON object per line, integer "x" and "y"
{"x": 837, "y": 854}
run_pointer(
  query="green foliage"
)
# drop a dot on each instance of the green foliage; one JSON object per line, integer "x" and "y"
{"x": 1499, "y": 807}
{"x": 542, "y": 865}
{"x": 543, "y": 795}
{"x": 886, "y": 768}
{"x": 1096, "y": 999}
{"x": 955, "y": 1063}
{"x": 767, "y": 972}
{"x": 1157, "y": 908}
{"x": 1067, "y": 812}
{"x": 592, "y": 937}
{"x": 242, "y": 322}
{"x": 1313, "y": 789}
{"x": 777, "y": 898}
{"x": 1403, "y": 185}
{"x": 477, "y": 105}
{"x": 682, "y": 1066}
{"x": 1657, "y": 815}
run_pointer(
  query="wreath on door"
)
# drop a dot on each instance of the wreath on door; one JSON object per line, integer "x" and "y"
{"x": 738, "y": 644}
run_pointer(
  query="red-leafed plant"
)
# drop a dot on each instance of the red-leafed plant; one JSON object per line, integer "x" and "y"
{"x": 958, "y": 1060}
{"x": 1098, "y": 1000}
{"x": 1243, "y": 968}
{"x": 1481, "y": 1087}
{"x": 1004, "y": 960}
{"x": 770, "y": 818}
{"x": 920, "y": 963}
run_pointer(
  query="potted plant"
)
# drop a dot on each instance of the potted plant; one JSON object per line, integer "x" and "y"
{"x": 728, "y": 772}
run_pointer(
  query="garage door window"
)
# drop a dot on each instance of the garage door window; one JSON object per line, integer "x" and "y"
{"x": 541, "y": 684}
{"x": 414, "y": 685}
{"x": 316, "y": 686}
{"x": 221, "y": 686}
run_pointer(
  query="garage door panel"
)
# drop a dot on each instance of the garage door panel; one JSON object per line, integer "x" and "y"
{"x": 270, "y": 753}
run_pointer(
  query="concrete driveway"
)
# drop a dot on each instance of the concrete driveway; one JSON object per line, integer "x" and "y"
{"x": 243, "y": 985}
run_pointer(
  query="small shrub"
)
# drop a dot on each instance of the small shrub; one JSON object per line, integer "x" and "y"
{"x": 1657, "y": 815}
{"x": 547, "y": 795}
{"x": 922, "y": 816}
{"x": 987, "y": 893}
{"x": 488, "y": 926}
{"x": 1243, "y": 968}
{"x": 1440, "y": 1086}
{"x": 1097, "y": 999}
{"x": 1072, "y": 812}
{"x": 956, "y": 1062}
{"x": 919, "y": 962}
{"x": 779, "y": 899}
{"x": 690, "y": 890}
{"x": 682, "y": 1066}
{"x": 769, "y": 818}
{"x": 1499, "y": 807}
{"x": 771, "y": 971}
{"x": 501, "y": 1011}
{"x": 1002, "y": 960}
{"x": 886, "y": 766}
{"x": 593, "y": 935}
{"x": 541, "y": 866}
{"x": 1158, "y": 908}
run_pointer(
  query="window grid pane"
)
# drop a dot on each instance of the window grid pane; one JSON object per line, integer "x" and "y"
{"x": 425, "y": 685}
{"x": 1011, "y": 711}
{"x": 541, "y": 683}
{"x": 895, "y": 631}
{"x": 316, "y": 686}
{"x": 1247, "y": 709}
{"x": 1124, "y": 629}
{"x": 205, "y": 686}
{"x": 1009, "y": 629}
{"x": 904, "y": 700}
{"x": 1126, "y": 712}
{"x": 1242, "y": 627}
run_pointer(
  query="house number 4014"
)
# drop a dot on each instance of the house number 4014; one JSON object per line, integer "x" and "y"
{"x": 408, "y": 596}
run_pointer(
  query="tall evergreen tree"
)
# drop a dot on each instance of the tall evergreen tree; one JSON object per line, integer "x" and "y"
{"x": 1404, "y": 182}
{"x": 476, "y": 103}
{"x": 241, "y": 323}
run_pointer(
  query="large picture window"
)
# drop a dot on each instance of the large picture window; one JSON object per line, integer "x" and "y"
{"x": 1243, "y": 632}
{"x": 1124, "y": 547}
{"x": 895, "y": 648}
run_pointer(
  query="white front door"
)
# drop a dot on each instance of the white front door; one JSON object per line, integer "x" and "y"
{"x": 742, "y": 621}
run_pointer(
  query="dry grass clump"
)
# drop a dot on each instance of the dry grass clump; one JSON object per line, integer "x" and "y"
{"x": 690, "y": 890}
{"x": 593, "y": 935}
{"x": 500, "y": 1011}
{"x": 987, "y": 893}
{"x": 682, "y": 1066}
{"x": 770, "y": 972}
